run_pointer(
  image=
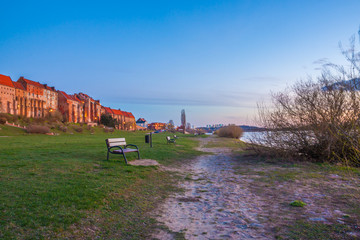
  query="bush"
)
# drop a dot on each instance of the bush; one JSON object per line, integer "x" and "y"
{"x": 78, "y": 129}
{"x": 62, "y": 128}
{"x": 8, "y": 117}
{"x": 108, "y": 120}
{"x": 37, "y": 129}
{"x": 230, "y": 132}
{"x": 2, "y": 120}
{"x": 55, "y": 116}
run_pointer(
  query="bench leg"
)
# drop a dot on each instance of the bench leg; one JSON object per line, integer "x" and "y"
{"x": 107, "y": 156}
{"x": 138, "y": 155}
{"x": 125, "y": 158}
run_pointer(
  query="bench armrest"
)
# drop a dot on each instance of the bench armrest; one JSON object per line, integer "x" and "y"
{"x": 109, "y": 149}
{"x": 132, "y": 146}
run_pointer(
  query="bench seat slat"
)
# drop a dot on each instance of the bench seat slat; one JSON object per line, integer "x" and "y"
{"x": 110, "y": 140}
{"x": 126, "y": 150}
{"x": 112, "y": 144}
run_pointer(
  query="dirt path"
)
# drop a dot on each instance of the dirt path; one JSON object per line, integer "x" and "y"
{"x": 228, "y": 197}
{"x": 214, "y": 204}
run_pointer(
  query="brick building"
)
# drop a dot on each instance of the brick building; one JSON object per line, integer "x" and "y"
{"x": 7, "y": 95}
{"x": 157, "y": 126}
{"x": 33, "y": 99}
{"x": 125, "y": 120}
{"x": 71, "y": 108}
{"x": 92, "y": 108}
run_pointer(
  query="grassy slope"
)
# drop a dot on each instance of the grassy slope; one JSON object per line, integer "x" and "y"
{"x": 62, "y": 186}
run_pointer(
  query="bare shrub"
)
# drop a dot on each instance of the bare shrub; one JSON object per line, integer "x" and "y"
{"x": 2, "y": 120}
{"x": 109, "y": 129}
{"x": 62, "y": 128}
{"x": 37, "y": 129}
{"x": 39, "y": 121}
{"x": 55, "y": 116}
{"x": 78, "y": 129}
{"x": 317, "y": 120}
{"x": 230, "y": 132}
{"x": 8, "y": 117}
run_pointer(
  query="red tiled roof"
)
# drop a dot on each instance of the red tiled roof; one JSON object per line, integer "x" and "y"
{"x": 19, "y": 85}
{"x": 128, "y": 114}
{"x": 49, "y": 88}
{"x": 6, "y": 80}
{"x": 37, "y": 84}
{"x": 75, "y": 98}
{"x": 69, "y": 97}
{"x": 108, "y": 110}
{"x": 116, "y": 112}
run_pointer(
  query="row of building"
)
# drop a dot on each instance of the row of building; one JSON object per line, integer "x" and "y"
{"x": 33, "y": 99}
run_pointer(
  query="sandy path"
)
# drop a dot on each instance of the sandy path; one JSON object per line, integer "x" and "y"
{"x": 215, "y": 205}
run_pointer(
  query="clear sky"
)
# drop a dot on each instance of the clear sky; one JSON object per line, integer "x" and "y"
{"x": 215, "y": 59}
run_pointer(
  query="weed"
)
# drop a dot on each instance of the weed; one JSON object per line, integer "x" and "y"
{"x": 297, "y": 203}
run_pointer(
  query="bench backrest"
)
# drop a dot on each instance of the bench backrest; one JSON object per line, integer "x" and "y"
{"x": 110, "y": 142}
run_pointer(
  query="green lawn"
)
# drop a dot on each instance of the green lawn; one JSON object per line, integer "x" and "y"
{"x": 63, "y": 187}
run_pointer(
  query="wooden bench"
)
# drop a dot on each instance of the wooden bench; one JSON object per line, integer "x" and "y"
{"x": 120, "y": 146}
{"x": 170, "y": 140}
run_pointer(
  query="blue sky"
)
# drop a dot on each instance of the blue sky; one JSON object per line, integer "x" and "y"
{"x": 215, "y": 59}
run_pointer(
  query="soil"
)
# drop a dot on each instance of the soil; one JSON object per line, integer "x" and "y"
{"x": 144, "y": 162}
{"x": 227, "y": 198}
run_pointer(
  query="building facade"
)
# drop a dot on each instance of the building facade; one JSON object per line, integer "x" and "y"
{"x": 7, "y": 95}
{"x": 33, "y": 99}
{"x": 92, "y": 108}
{"x": 124, "y": 120}
{"x": 71, "y": 108}
{"x": 157, "y": 126}
{"x": 142, "y": 122}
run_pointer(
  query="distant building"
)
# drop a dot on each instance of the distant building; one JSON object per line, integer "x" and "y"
{"x": 142, "y": 122}
{"x": 125, "y": 120}
{"x": 157, "y": 126}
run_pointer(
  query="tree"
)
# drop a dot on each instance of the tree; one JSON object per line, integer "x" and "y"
{"x": 171, "y": 126}
{"x": 107, "y": 120}
{"x": 183, "y": 120}
{"x": 317, "y": 119}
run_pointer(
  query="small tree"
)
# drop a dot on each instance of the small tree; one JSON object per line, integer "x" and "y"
{"x": 107, "y": 120}
{"x": 171, "y": 126}
{"x": 183, "y": 120}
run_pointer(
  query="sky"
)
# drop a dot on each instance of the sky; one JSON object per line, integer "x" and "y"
{"x": 215, "y": 59}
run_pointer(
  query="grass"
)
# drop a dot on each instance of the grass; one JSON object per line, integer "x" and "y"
{"x": 63, "y": 187}
{"x": 220, "y": 142}
{"x": 302, "y": 230}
